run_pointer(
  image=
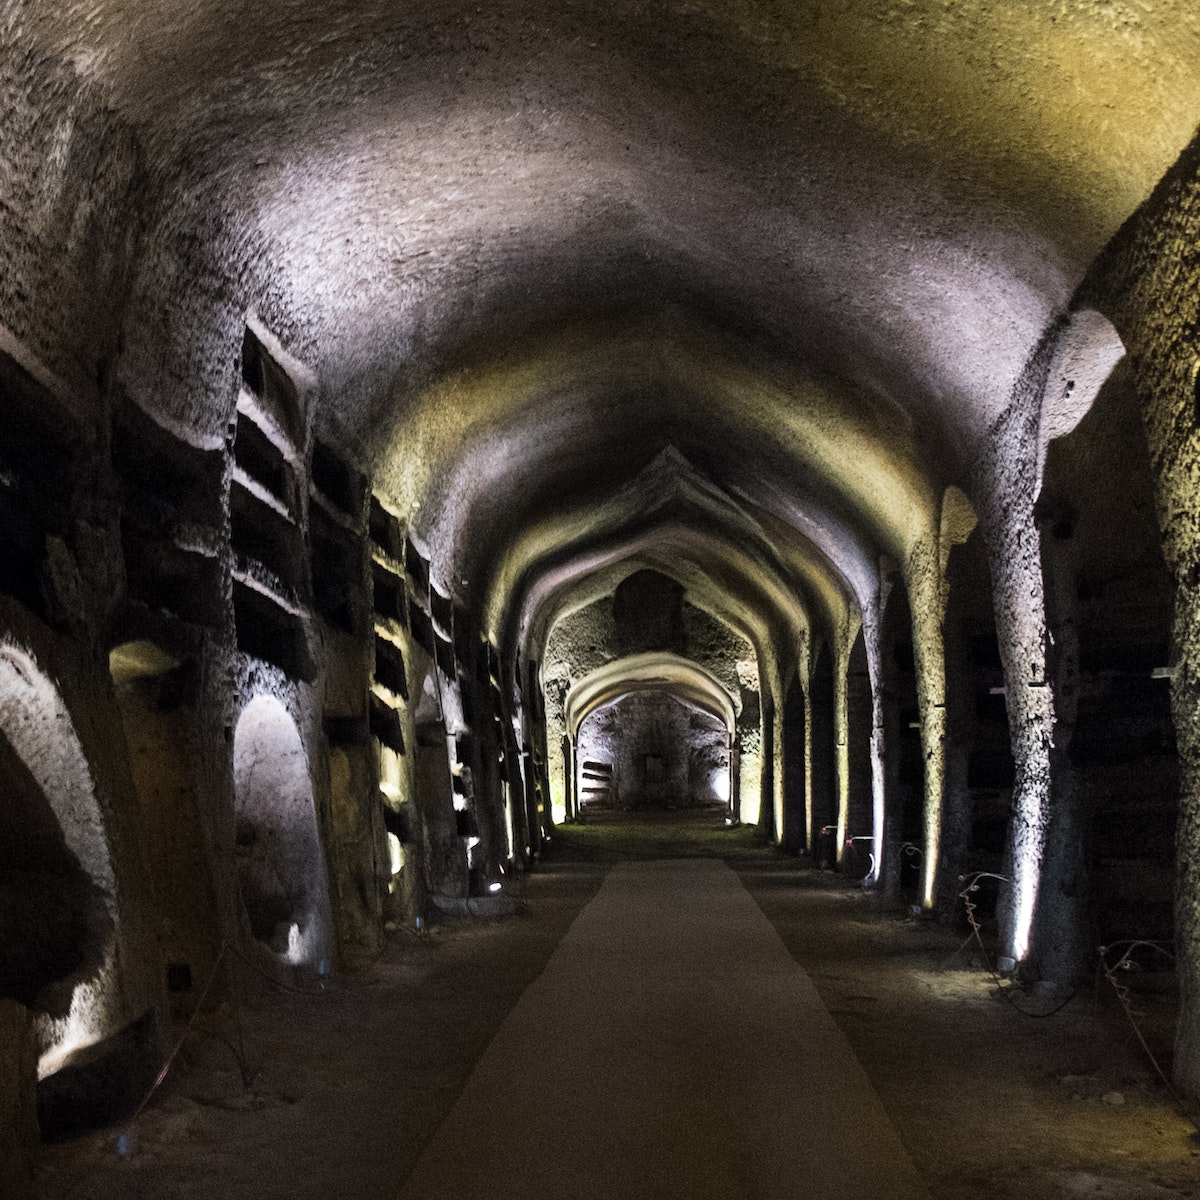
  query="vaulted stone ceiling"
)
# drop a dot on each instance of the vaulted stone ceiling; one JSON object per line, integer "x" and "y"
{"x": 527, "y": 249}
{"x": 713, "y": 321}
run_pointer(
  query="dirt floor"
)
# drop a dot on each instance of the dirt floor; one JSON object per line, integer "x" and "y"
{"x": 348, "y": 1082}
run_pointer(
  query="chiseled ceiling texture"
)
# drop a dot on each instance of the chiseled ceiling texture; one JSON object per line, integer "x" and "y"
{"x": 804, "y": 248}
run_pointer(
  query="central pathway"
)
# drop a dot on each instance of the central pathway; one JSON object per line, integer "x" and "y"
{"x": 672, "y": 1048}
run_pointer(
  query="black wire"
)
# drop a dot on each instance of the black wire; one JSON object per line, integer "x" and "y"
{"x": 1005, "y": 992}
{"x": 1122, "y": 991}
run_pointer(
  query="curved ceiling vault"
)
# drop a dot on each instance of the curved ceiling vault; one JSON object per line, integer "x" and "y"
{"x": 775, "y": 591}
{"x": 654, "y": 672}
{"x": 543, "y": 436}
{"x": 528, "y": 250}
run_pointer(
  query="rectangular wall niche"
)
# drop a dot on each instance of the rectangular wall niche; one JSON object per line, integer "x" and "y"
{"x": 272, "y": 388}
{"x": 181, "y": 483}
{"x": 342, "y": 486}
{"x": 385, "y": 724}
{"x": 260, "y": 532}
{"x": 385, "y": 531}
{"x": 36, "y": 484}
{"x": 416, "y": 566}
{"x": 442, "y": 613}
{"x": 388, "y": 591}
{"x": 596, "y": 782}
{"x": 266, "y": 630}
{"x": 182, "y": 582}
{"x": 336, "y": 567}
{"x": 422, "y": 630}
{"x": 263, "y": 461}
{"x": 389, "y": 667}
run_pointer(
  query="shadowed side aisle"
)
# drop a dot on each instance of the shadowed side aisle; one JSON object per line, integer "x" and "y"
{"x": 671, "y": 1048}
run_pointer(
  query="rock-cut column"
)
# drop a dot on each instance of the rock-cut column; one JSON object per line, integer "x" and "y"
{"x": 873, "y": 644}
{"x": 843, "y": 643}
{"x": 1148, "y": 282}
{"x": 927, "y": 587}
{"x": 1005, "y": 493}
{"x": 928, "y": 608}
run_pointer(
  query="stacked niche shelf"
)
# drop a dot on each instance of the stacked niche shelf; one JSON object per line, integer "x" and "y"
{"x": 36, "y": 483}
{"x": 497, "y": 694}
{"x": 387, "y": 571}
{"x": 416, "y": 567}
{"x": 337, "y": 493}
{"x": 171, "y": 523}
{"x": 389, "y": 681}
{"x": 264, "y": 532}
{"x": 442, "y": 614}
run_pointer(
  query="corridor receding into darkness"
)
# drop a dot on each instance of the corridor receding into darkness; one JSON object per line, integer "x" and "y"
{"x": 440, "y": 438}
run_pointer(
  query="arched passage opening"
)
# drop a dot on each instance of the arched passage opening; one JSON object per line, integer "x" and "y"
{"x": 797, "y": 768}
{"x": 55, "y": 921}
{"x": 281, "y": 871}
{"x": 906, "y": 760}
{"x": 858, "y": 853}
{"x": 650, "y": 730}
{"x": 57, "y": 889}
{"x": 1108, "y": 871}
{"x": 651, "y": 749}
{"x": 60, "y": 954}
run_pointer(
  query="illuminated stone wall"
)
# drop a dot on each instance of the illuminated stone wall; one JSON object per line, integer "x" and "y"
{"x": 1147, "y": 283}
{"x": 664, "y": 754}
{"x": 593, "y": 637}
{"x": 357, "y": 387}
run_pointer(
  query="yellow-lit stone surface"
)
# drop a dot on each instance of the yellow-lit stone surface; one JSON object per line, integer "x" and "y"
{"x": 390, "y": 389}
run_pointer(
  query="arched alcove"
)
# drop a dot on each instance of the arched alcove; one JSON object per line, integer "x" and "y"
{"x": 653, "y": 749}
{"x": 858, "y": 860}
{"x": 58, "y": 904}
{"x": 281, "y": 870}
{"x": 906, "y": 760}
{"x": 795, "y": 769}
{"x": 620, "y": 712}
{"x": 824, "y": 752}
{"x": 47, "y": 898}
{"x": 656, "y": 672}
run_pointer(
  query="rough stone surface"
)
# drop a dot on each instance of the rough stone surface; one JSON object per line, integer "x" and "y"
{"x": 1144, "y": 284}
{"x": 399, "y": 367}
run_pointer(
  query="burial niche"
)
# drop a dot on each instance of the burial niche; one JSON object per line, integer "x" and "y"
{"x": 279, "y": 862}
{"x": 56, "y": 883}
{"x": 649, "y": 749}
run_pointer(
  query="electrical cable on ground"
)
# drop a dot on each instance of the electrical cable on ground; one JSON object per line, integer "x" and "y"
{"x": 1125, "y": 963}
{"x": 1110, "y": 970}
{"x": 972, "y": 886}
{"x": 123, "y": 1136}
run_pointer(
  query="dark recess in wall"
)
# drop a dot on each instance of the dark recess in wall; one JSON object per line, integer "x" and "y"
{"x": 266, "y": 631}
